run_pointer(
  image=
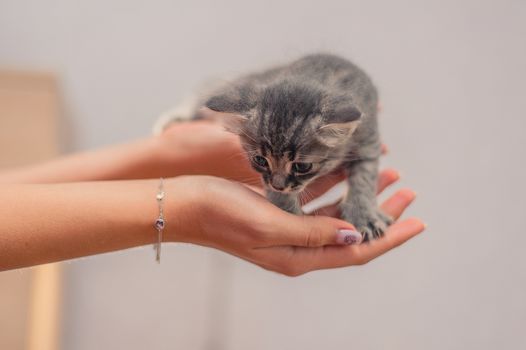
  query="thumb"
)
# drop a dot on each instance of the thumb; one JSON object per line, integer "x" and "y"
{"x": 315, "y": 231}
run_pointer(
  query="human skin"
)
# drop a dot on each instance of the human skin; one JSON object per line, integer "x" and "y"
{"x": 45, "y": 223}
{"x": 185, "y": 149}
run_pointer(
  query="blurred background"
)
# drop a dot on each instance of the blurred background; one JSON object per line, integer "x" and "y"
{"x": 452, "y": 80}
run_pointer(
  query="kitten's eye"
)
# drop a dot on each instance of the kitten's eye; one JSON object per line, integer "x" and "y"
{"x": 261, "y": 161}
{"x": 302, "y": 168}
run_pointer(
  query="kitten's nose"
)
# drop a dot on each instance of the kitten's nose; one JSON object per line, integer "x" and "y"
{"x": 278, "y": 183}
{"x": 277, "y": 188}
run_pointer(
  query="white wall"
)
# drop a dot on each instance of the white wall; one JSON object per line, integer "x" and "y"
{"x": 451, "y": 75}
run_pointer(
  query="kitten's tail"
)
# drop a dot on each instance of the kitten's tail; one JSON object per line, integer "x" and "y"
{"x": 181, "y": 113}
{"x": 188, "y": 108}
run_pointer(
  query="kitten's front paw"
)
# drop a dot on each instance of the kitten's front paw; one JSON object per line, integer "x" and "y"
{"x": 296, "y": 210}
{"x": 287, "y": 202}
{"x": 371, "y": 224}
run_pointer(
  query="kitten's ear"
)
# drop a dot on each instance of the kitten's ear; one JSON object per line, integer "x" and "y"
{"x": 343, "y": 114}
{"x": 335, "y": 134}
{"x": 234, "y": 123}
{"x": 342, "y": 123}
{"x": 236, "y": 99}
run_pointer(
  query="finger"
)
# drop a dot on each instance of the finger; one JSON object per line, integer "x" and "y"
{"x": 386, "y": 178}
{"x": 299, "y": 260}
{"x": 311, "y": 231}
{"x": 398, "y": 202}
{"x": 396, "y": 234}
{"x": 331, "y": 211}
{"x": 394, "y": 206}
{"x": 384, "y": 149}
{"x": 324, "y": 183}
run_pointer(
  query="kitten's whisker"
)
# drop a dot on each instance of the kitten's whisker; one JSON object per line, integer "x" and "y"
{"x": 239, "y": 156}
{"x": 248, "y": 136}
{"x": 306, "y": 195}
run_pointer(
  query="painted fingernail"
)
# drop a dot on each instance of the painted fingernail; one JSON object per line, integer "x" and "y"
{"x": 348, "y": 237}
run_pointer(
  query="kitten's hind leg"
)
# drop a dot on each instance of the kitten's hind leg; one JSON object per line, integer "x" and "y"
{"x": 286, "y": 201}
{"x": 359, "y": 206}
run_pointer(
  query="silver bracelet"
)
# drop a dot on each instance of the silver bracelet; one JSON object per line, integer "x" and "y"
{"x": 159, "y": 223}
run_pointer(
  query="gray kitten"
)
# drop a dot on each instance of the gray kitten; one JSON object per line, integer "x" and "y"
{"x": 303, "y": 120}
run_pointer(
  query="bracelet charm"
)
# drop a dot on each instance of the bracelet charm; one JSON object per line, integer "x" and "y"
{"x": 159, "y": 223}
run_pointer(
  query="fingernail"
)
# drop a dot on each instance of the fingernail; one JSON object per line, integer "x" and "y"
{"x": 348, "y": 237}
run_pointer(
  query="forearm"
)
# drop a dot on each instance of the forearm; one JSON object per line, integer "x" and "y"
{"x": 199, "y": 148}
{"x": 49, "y": 223}
{"x": 134, "y": 160}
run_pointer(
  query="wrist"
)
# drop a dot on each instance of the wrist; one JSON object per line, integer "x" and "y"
{"x": 182, "y": 205}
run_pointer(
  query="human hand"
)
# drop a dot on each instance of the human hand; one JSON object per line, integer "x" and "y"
{"x": 231, "y": 217}
{"x": 205, "y": 148}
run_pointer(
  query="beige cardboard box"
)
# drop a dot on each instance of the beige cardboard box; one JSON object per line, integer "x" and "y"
{"x": 29, "y": 298}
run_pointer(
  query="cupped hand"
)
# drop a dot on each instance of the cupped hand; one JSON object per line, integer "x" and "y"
{"x": 231, "y": 217}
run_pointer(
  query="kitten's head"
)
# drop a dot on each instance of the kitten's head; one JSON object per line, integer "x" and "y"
{"x": 292, "y": 132}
